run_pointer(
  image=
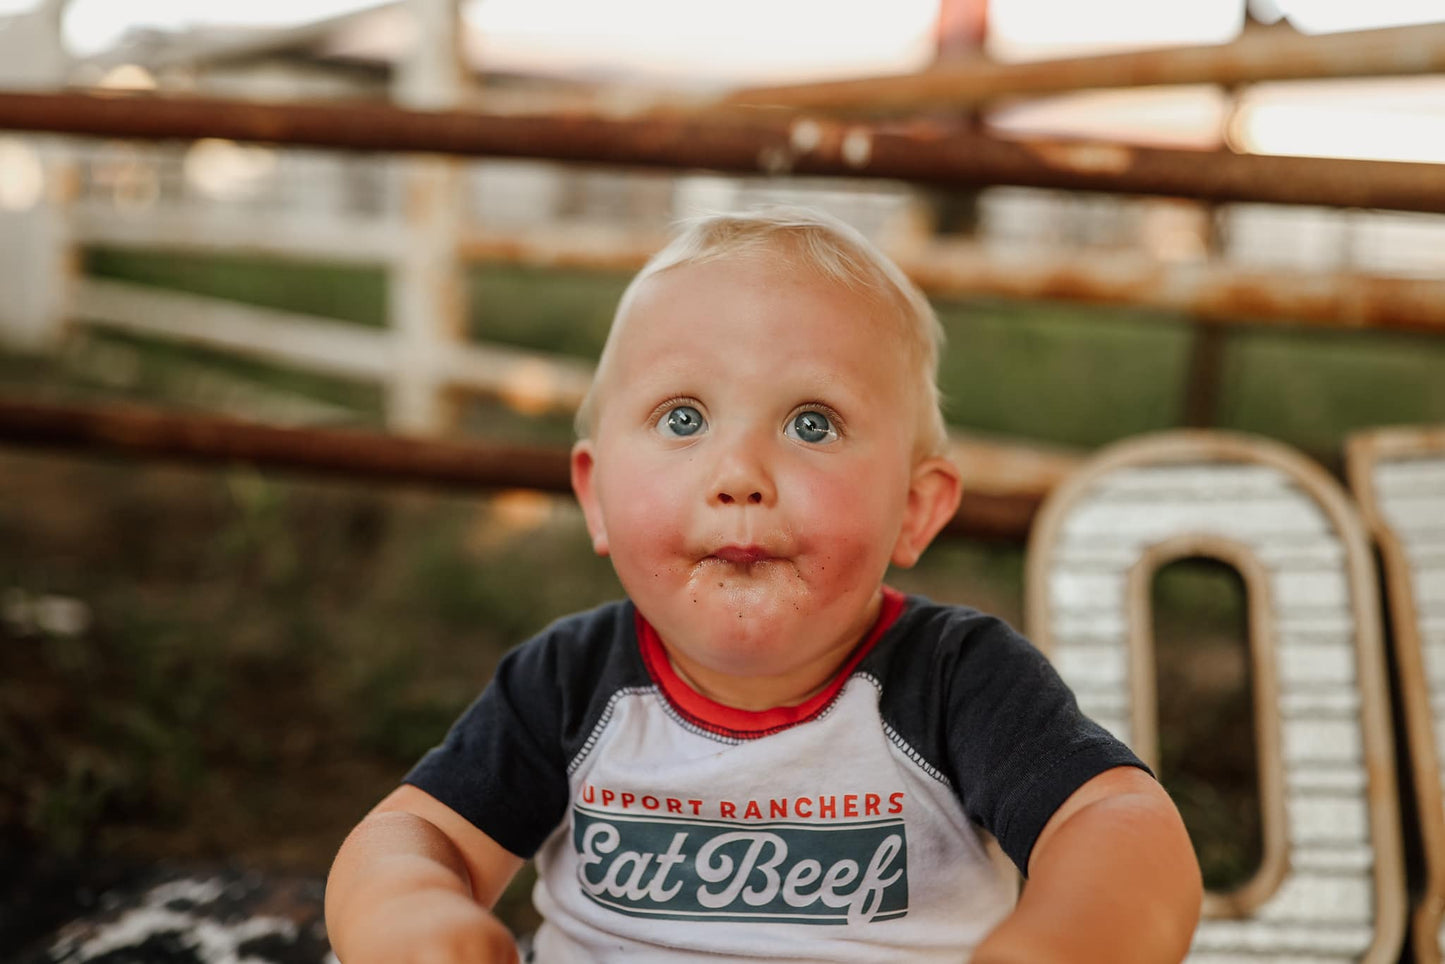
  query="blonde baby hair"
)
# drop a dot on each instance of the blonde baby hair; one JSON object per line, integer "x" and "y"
{"x": 808, "y": 240}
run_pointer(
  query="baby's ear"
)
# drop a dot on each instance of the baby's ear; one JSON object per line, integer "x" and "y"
{"x": 933, "y": 495}
{"x": 583, "y": 468}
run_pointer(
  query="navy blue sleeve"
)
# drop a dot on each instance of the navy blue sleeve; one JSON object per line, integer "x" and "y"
{"x": 503, "y": 764}
{"x": 998, "y": 722}
{"x": 1018, "y": 743}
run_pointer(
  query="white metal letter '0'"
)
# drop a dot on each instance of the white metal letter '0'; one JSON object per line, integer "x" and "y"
{"x": 1398, "y": 476}
{"x": 1330, "y": 886}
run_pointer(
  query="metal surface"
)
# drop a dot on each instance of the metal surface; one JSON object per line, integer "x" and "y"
{"x": 1202, "y": 385}
{"x": 925, "y": 152}
{"x": 1270, "y": 53}
{"x": 137, "y": 432}
{"x": 1006, "y": 483}
{"x": 1397, "y": 476}
{"x": 1212, "y": 290}
{"x": 1331, "y": 882}
{"x": 1215, "y": 291}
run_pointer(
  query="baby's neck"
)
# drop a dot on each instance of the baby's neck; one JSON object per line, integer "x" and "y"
{"x": 753, "y": 700}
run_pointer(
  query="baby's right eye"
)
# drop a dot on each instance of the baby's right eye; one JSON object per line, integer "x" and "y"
{"x": 681, "y": 422}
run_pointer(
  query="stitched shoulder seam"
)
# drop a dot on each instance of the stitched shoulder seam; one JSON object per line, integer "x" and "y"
{"x": 603, "y": 720}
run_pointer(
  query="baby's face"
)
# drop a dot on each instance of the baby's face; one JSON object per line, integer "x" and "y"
{"x": 749, "y": 470}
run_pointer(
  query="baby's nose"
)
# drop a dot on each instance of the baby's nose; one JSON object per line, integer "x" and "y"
{"x": 741, "y": 476}
{"x": 727, "y": 498}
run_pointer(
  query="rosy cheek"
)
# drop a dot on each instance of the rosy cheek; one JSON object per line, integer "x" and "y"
{"x": 841, "y": 524}
{"x": 642, "y": 516}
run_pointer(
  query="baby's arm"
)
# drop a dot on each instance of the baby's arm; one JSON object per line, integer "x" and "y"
{"x": 414, "y": 882}
{"x": 1112, "y": 878}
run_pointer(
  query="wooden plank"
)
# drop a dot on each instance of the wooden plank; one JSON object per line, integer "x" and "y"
{"x": 216, "y": 229}
{"x": 426, "y": 304}
{"x": 323, "y": 345}
{"x": 289, "y": 338}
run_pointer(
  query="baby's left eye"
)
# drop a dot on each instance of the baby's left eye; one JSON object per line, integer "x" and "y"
{"x": 811, "y": 426}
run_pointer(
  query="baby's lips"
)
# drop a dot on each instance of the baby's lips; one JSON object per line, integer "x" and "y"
{"x": 742, "y": 555}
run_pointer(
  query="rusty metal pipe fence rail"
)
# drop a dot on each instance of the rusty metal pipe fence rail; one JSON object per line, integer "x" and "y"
{"x": 932, "y": 152}
{"x": 1260, "y": 54}
{"x": 1002, "y": 509}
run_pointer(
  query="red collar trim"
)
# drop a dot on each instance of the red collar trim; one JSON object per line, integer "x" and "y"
{"x": 749, "y": 724}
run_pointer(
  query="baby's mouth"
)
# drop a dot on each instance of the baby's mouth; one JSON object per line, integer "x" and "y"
{"x": 742, "y": 555}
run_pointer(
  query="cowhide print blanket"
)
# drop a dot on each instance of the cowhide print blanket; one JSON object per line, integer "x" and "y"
{"x": 225, "y": 916}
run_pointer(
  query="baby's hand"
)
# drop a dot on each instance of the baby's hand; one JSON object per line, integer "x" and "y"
{"x": 431, "y": 927}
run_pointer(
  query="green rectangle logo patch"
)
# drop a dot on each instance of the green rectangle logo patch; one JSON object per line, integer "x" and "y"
{"x": 693, "y": 869}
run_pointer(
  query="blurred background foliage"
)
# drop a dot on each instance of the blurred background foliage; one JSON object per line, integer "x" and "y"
{"x": 226, "y": 664}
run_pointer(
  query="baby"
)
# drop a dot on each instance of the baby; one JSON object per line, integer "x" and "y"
{"x": 764, "y": 752}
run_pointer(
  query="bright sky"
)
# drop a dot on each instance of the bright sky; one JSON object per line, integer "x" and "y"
{"x": 762, "y": 41}
{"x": 773, "y": 31}
{"x": 741, "y": 40}
{"x": 1058, "y": 27}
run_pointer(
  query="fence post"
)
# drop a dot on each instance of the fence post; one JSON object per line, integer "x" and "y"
{"x": 426, "y": 295}
{"x": 36, "y": 261}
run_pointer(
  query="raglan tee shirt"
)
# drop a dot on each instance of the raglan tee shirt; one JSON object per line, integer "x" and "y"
{"x": 853, "y": 827}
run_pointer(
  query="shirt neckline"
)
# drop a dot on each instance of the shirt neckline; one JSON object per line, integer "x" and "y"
{"x": 726, "y": 720}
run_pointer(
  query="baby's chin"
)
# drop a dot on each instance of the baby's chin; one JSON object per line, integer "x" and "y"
{"x": 752, "y": 614}
{"x": 748, "y": 590}
{"x": 755, "y": 644}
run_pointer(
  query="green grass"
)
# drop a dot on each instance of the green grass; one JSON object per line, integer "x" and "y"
{"x": 1207, "y": 757}
{"x": 1312, "y": 388}
{"x": 356, "y": 294}
{"x": 285, "y": 645}
{"x": 567, "y": 312}
{"x": 1071, "y": 375}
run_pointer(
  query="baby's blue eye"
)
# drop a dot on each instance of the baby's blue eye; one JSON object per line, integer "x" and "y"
{"x": 812, "y": 426}
{"x": 682, "y": 421}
